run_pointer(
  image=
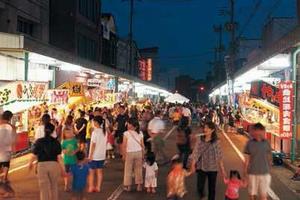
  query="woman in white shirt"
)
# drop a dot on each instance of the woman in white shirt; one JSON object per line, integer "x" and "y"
{"x": 40, "y": 130}
{"x": 134, "y": 152}
{"x": 97, "y": 154}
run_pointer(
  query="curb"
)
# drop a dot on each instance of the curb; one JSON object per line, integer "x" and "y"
{"x": 287, "y": 164}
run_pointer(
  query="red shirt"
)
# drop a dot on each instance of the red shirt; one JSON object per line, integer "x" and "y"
{"x": 233, "y": 187}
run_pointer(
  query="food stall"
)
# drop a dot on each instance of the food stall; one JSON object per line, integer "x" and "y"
{"x": 76, "y": 95}
{"x": 263, "y": 103}
{"x": 24, "y": 100}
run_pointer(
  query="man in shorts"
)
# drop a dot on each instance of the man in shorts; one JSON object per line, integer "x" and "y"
{"x": 7, "y": 142}
{"x": 258, "y": 162}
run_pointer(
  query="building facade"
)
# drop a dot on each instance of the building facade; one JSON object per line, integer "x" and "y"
{"x": 75, "y": 27}
{"x": 123, "y": 49}
{"x": 152, "y": 53}
{"x": 109, "y": 40}
{"x": 26, "y": 17}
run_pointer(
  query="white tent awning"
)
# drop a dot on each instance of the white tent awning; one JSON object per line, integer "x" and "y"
{"x": 177, "y": 98}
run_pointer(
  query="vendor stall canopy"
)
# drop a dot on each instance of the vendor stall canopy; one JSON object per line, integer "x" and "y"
{"x": 177, "y": 98}
{"x": 262, "y": 71}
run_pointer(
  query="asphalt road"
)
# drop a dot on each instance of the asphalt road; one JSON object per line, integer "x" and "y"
{"x": 26, "y": 187}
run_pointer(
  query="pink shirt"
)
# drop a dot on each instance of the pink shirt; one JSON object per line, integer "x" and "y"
{"x": 233, "y": 187}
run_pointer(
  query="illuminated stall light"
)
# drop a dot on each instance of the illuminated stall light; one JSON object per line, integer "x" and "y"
{"x": 70, "y": 67}
{"x": 278, "y": 62}
{"x": 38, "y": 58}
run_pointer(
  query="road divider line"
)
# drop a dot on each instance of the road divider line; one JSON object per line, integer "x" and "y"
{"x": 271, "y": 193}
{"x": 239, "y": 153}
{"x": 116, "y": 193}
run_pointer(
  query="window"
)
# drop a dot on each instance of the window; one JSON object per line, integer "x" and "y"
{"x": 86, "y": 47}
{"x": 25, "y": 26}
{"x": 88, "y": 9}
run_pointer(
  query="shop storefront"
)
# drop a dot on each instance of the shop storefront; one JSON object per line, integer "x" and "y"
{"x": 29, "y": 68}
{"x": 24, "y": 100}
{"x": 259, "y": 94}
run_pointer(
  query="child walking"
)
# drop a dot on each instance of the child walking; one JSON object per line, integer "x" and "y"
{"x": 110, "y": 144}
{"x": 80, "y": 172}
{"x": 234, "y": 183}
{"x": 151, "y": 173}
{"x": 97, "y": 154}
{"x": 70, "y": 147}
{"x": 176, "y": 180}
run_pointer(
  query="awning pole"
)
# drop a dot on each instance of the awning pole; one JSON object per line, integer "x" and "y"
{"x": 294, "y": 65}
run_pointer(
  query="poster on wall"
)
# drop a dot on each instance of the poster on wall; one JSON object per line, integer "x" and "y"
{"x": 286, "y": 109}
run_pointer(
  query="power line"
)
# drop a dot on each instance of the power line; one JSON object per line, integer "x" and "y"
{"x": 274, "y": 7}
{"x": 253, "y": 13}
{"x": 184, "y": 57}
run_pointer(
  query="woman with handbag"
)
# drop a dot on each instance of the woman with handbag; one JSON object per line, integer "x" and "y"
{"x": 133, "y": 155}
{"x": 207, "y": 159}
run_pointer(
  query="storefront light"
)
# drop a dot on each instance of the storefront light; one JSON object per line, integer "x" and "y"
{"x": 252, "y": 75}
{"x": 40, "y": 59}
{"x": 70, "y": 67}
{"x": 278, "y": 62}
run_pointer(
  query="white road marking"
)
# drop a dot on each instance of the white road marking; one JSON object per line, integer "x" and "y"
{"x": 116, "y": 193}
{"x": 271, "y": 193}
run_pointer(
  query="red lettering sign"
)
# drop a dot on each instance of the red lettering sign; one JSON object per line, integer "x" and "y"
{"x": 286, "y": 109}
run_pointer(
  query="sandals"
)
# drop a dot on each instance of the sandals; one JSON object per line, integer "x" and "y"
{"x": 139, "y": 188}
{"x": 127, "y": 188}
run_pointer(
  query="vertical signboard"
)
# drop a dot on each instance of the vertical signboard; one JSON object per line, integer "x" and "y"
{"x": 142, "y": 69}
{"x": 149, "y": 69}
{"x": 286, "y": 109}
{"x": 145, "y": 69}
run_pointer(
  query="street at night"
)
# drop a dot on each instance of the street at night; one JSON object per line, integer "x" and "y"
{"x": 282, "y": 185}
{"x": 149, "y": 99}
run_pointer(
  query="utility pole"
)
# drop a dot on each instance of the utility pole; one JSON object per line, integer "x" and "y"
{"x": 131, "y": 69}
{"x": 219, "y": 51}
{"x": 230, "y": 59}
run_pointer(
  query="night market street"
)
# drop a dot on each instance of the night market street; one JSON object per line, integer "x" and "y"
{"x": 26, "y": 186}
{"x": 150, "y": 100}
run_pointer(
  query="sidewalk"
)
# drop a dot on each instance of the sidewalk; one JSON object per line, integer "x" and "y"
{"x": 284, "y": 175}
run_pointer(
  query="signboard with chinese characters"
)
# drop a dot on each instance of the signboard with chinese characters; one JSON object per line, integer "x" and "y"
{"x": 265, "y": 91}
{"x": 149, "y": 69}
{"x": 286, "y": 109}
{"x": 23, "y": 91}
{"x": 142, "y": 69}
{"x": 145, "y": 69}
{"x": 58, "y": 96}
{"x": 93, "y": 83}
{"x": 75, "y": 88}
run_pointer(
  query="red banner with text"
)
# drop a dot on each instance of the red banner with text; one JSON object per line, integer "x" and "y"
{"x": 286, "y": 109}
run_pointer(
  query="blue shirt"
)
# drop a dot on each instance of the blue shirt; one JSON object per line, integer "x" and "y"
{"x": 80, "y": 174}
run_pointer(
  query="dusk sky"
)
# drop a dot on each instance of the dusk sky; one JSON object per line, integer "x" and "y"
{"x": 182, "y": 29}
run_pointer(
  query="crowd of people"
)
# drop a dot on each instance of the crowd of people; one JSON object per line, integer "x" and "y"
{"x": 78, "y": 146}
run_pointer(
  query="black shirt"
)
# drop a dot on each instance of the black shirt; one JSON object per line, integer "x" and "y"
{"x": 47, "y": 149}
{"x": 121, "y": 120}
{"x": 79, "y": 123}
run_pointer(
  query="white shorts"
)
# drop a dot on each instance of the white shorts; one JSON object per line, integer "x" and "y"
{"x": 259, "y": 184}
